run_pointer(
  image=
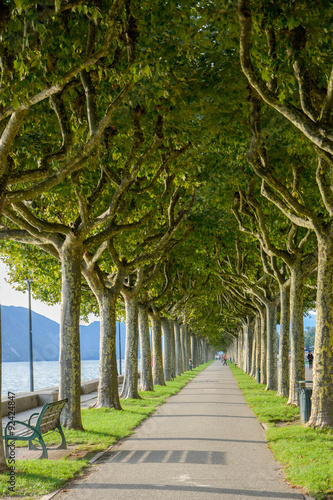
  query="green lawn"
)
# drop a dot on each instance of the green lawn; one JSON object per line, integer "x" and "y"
{"x": 103, "y": 427}
{"x": 306, "y": 454}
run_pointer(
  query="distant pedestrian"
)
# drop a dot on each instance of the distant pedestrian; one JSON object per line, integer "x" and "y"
{"x": 310, "y": 359}
{"x": 225, "y": 360}
{"x": 191, "y": 365}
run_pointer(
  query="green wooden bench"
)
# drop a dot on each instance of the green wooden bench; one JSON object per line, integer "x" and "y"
{"x": 48, "y": 420}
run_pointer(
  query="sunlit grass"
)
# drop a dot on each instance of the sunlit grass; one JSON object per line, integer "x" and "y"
{"x": 305, "y": 453}
{"x": 103, "y": 427}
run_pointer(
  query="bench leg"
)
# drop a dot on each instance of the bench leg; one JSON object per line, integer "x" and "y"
{"x": 32, "y": 446}
{"x": 63, "y": 444}
{"x": 44, "y": 452}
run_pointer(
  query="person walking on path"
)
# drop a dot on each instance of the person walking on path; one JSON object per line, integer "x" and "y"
{"x": 190, "y": 365}
{"x": 204, "y": 443}
{"x": 310, "y": 359}
{"x": 225, "y": 360}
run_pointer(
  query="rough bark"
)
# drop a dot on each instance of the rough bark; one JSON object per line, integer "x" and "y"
{"x": 187, "y": 347}
{"x": 283, "y": 368}
{"x": 233, "y": 351}
{"x": 322, "y": 395}
{"x": 158, "y": 373}
{"x": 108, "y": 395}
{"x": 258, "y": 350}
{"x": 248, "y": 340}
{"x": 69, "y": 355}
{"x": 172, "y": 349}
{"x": 178, "y": 349}
{"x": 130, "y": 383}
{"x": 200, "y": 352}
{"x": 263, "y": 348}
{"x": 271, "y": 347}
{"x": 194, "y": 350}
{"x": 183, "y": 347}
{"x": 240, "y": 345}
{"x": 166, "y": 348}
{"x": 297, "y": 369}
{"x": 254, "y": 350}
{"x": 146, "y": 379}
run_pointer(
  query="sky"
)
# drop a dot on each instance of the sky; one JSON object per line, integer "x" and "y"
{"x": 11, "y": 297}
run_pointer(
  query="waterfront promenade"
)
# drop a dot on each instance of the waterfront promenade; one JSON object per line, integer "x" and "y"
{"x": 203, "y": 443}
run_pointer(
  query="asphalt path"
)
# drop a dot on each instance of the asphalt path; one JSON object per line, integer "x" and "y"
{"x": 203, "y": 443}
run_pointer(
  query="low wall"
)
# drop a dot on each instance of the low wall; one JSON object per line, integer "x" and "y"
{"x": 23, "y": 401}
{"x": 27, "y": 400}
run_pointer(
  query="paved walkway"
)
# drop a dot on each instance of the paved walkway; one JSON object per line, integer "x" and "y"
{"x": 203, "y": 443}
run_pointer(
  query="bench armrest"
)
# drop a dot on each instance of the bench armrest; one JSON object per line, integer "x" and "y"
{"x": 12, "y": 431}
{"x": 33, "y": 415}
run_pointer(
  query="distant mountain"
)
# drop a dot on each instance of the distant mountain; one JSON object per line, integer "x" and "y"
{"x": 45, "y": 334}
{"x": 309, "y": 320}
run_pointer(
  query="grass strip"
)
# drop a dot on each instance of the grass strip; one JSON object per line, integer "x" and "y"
{"x": 103, "y": 427}
{"x": 305, "y": 453}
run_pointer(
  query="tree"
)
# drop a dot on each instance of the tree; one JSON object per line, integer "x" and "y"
{"x": 289, "y": 30}
{"x": 300, "y": 264}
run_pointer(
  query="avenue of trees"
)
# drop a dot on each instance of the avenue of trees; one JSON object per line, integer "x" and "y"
{"x": 171, "y": 164}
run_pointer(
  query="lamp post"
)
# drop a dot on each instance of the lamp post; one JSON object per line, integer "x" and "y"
{"x": 30, "y": 340}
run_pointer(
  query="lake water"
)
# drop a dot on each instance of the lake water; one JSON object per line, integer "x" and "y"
{"x": 16, "y": 375}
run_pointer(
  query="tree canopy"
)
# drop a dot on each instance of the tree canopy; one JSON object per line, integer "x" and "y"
{"x": 192, "y": 137}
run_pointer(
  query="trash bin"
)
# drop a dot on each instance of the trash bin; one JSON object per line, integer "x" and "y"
{"x": 258, "y": 375}
{"x": 305, "y": 394}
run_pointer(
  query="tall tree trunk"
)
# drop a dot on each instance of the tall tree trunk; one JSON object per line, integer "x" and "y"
{"x": 130, "y": 383}
{"x": 158, "y": 373}
{"x": 251, "y": 342}
{"x": 283, "y": 370}
{"x": 108, "y": 395}
{"x": 297, "y": 368}
{"x": 192, "y": 344}
{"x": 271, "y": 347}
{"x": 178, "y": 350}
{"x": 200, "y": 352}
{"x": 235, "y": 351}
{"x": 246, "y": 347}
{"x": 206, "y": 358}
{"x": 241, "y": 349}
{"x": 322, "y": 395}
{"x": 257, "y": 331}
{"x": 172, "y": 349}
{"x": 263, "y": 346}
{"x": 183, "y": 347}
{"x": 253, "y": 350}
{"x": 187, "y": 346}
{"x": 146, "y": 382}
{"x": 69, "y": 352}
{"x": 248, "y": 341}
{"x": 196, "y": 351}
{"x": 166, "y": 348}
